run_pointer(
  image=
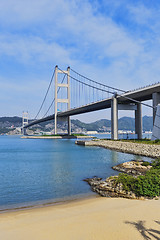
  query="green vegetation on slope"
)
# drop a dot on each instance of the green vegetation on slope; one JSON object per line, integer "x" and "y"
{"x": 124, "y": 123}
{"x": 147, "y": 185}
{"x": 144, "y": 141}
{"x": 4, "y": 130}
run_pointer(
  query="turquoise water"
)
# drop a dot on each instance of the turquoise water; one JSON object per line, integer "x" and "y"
{"x": 35, "y": 171}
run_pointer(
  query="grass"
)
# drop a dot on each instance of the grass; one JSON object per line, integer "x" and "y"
{"x": 144, "y": 141}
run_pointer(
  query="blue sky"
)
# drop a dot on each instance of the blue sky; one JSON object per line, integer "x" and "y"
{"x": 114, "y": 42}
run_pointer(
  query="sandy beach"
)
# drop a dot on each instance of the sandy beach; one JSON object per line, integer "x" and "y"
{"x": 89, "y": 219}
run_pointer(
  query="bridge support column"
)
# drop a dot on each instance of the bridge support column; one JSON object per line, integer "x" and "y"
{"x": 24, "y": 122}
{"x": 24, "y": 131}
{"x": 156, "y": 126}
{"x": 156, "y": 101}
{"x": 138, "y": 121}
{"x": 114, "y": 118}
{"x": 69, "y": 126}
{"x": 55, "y": 105}
{"x": 69, "y": 100}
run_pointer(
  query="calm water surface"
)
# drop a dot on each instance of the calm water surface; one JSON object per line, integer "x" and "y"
{"x": 35, "y": 171}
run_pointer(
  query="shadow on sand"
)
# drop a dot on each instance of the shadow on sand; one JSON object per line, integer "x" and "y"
{"x": 147, "y": 233}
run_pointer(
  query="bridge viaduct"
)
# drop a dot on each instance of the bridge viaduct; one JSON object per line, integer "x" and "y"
{"x": 131, "y": 100}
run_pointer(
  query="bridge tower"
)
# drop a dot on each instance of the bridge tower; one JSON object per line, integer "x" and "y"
{"x": 24, "y": 122}
{"x": 58, "y": 100}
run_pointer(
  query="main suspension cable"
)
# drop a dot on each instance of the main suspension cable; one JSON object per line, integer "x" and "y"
{"x": 103, "y": 90}
{"x": 94, "y": 87}
{"x": 120, "y": 95}
{"x": 54, "y": 98}
{"x": 98, "y": 82}
{"x": 45, "y": 95}
{"x": 136, "y": 101}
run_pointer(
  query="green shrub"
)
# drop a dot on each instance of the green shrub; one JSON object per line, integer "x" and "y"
{"x": 156, "y": 163}
{"x": 127, "y": 181}
{"x": 147, "y": 185}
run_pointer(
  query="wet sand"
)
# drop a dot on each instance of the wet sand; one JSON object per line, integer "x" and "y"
{"x": 89, "y": 219}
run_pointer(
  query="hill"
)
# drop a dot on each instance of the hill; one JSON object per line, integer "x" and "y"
{"x": 125, "y": 123}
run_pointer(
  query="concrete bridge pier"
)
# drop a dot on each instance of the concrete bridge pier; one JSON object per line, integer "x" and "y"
{"x": 156, "y": 101}
{"x": 156, "y": 126}
{"x": 156, "y": 116}
{"x": 138, "y": 121}
{"x": 69, "y": 126}
{"x": 114, "y": 118}
{"x": 24, "y": 131}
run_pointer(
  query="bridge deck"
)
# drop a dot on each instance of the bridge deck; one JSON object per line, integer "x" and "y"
{"x": 141, "y": 94}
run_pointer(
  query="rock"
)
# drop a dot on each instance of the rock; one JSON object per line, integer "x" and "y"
{"x": 109, "y": 188}
{"x": 156, "y": 198}
{"x": 92, "y": 180}
{"x": 132, "y": 167}
{"x": 148, "y": 150}
{"x": 141, "y": 198}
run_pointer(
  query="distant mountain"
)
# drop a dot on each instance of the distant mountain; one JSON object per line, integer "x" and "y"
{"x": 103, "y": 125}
{"x": 9, "y": 121}
{"x": 147, "y": 123}
{"x": 124, "y": 123}
{"x": 100, "y": 125}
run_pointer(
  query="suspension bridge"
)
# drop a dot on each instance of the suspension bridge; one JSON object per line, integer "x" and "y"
{"x": 74, "y": 93}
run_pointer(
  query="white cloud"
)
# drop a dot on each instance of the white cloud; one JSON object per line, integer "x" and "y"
{"x": 27, "y": 95}
{"x": 79, "y": 34}
{"x": 45, "y": 32}
{"x": 32, "y": 48}
{"x": 27, "y": 11}
{"x": 141, "y": 14}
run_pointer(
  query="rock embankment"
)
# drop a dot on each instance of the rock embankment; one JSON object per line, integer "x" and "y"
{"x": 147, "y": 150}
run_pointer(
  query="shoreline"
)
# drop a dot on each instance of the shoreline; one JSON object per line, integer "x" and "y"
{"x": 97, "y": 218}
{"x": 43, "y": 204}
{"x": 147, "y": 150}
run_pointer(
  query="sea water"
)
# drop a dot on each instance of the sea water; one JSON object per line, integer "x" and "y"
{"x": 37, "y": 171}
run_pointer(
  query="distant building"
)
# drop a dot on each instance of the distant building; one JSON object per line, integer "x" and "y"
{"x": 91, "y": 132}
